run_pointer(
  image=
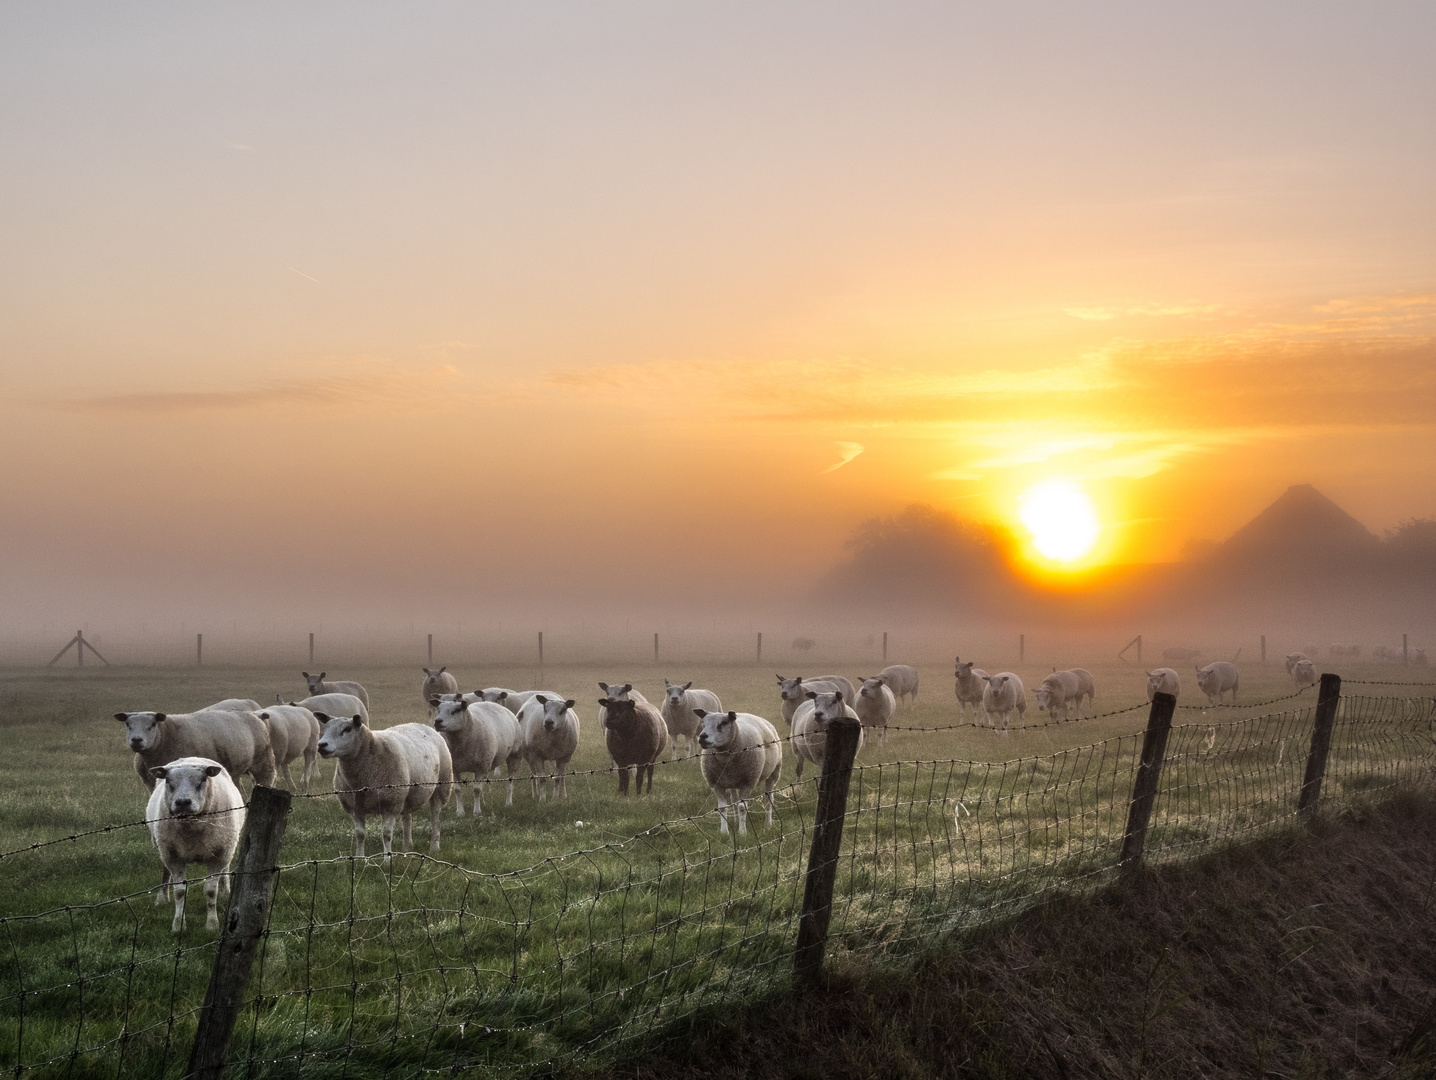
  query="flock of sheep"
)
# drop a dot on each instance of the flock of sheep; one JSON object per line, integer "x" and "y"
{"x": 191, "y": 761}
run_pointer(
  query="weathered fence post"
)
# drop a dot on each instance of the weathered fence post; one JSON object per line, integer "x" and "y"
{"x": 760, "y": 646}
{"x": 655, "y": 647}
{"x": 1021, "y": 647}
{"x": 1149, "y": 771}
{"x": 540, "y": 648}
{"x": 841, "y": 749}
{"x": 1328, "y": 697}
{"x": 199, "y": 650}
{"x": 431, "y": 648}
{"x": 885, "y": 646}
{"x": 311, "y": 648}
{"x": 1263, "y": 648}
{"x": 255, "y": 872}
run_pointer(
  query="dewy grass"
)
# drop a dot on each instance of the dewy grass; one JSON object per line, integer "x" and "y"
{"x": 532, "y": 941}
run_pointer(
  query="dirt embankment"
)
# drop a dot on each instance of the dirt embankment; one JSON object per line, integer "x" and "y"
{"x": 1312, "y": 954}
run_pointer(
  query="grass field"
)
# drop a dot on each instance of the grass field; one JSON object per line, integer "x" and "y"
{"x": 530, "y": 938}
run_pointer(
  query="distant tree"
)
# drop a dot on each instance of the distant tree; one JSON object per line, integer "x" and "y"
{"x": 1413, "y": 543}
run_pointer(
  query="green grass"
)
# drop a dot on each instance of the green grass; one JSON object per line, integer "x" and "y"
{"x": 531, "y": 939}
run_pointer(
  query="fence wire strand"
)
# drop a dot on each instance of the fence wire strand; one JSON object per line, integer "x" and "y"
{"x": 427, "y": 966}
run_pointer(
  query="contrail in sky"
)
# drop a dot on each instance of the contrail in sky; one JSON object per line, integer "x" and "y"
{"x": 302, "y": 274}
{"x": 849, "y": 450}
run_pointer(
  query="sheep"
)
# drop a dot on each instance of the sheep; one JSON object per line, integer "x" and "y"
{"x": 481, "y": 737}
{"x": 681, "y": 705}
{"x": 237, "y": 740}
{"x": 335, "y": 705}
{"x": 740, "y": 750}
{"x": 1163, "y": 681}
{"x": 235, "y": 704}
{"x": 1216, "y": 679}
{"x": 318, "y": 685}
{"x": 293, "y": 731}
{"x": 1004, "y": 693}
{"x": 616, "y": 693}
{"x": 513, "y": 700}
{"x": 901, "y": 680}
{"x": 436, "y": 683}
{"x": 970, "y": 686}
{"x": 1089, "y": 688}
{"x": 1058, "y": 691}
{"x": 636, "y": 735}
{"x": 1292, "y": 659}
{"x": 875, "y": 704}
{"x": 810, "y": 726}
{"x": 391, "y": 772}
{"x": 550, "y": 733}
{"x": 1303, "y": 674}
{"x": 196, "y": 815}
{"x": 794, "y": 691}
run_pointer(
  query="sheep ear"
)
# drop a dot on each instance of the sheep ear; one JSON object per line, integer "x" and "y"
{"x": 159, "y": 771}
{"x": 732, "y": 716}
{"x": 811, "y": 694}
{"x": 305, "y": 674}
{"x": 427, "y": 672}
{"x": 699, "y": 713}
{"x": 781, "y": 679}
{"x": 212, "y": 770}
{"x": 322, "y": 674}
{"x": 264, "y": 716}
{"x": 122, "y": 717}
{"x": 840, "y": 695}
{"x": 603, "y": 686}
{"x": 358, "y": 720}
{"x": 322, "y": 717}
{"x": 666, "y": 683}
{"x": 688, "y": 685}
{"x": 503, "y": 695}
{"x": 433, "y": 703}
{"x": 541, "y": 699}
{"x": 604, "y": 701}
{"x": 160, "y": 718}
{"x": 441, "y": 670}
{"x": 568, "y": 704}
{"x": 627, "y": 687}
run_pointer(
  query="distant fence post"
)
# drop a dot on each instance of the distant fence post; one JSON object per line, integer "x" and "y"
{"x": 1263, "y": 648}
{"x": 841, "y": 749}
{"x": 1021, "y": 647}
{"x": 885, "y": 646}
{"x": 540, "y": 648}
{"x": 1405, "y": 657}
{"x": 256, "y": 869}
{"x": 760, "y": 646}
{"x": 311, "y": 648}
{"x": 1328, "y": 697}
{"x": 655, "y": 647}
{"x": 199, "y": 650}
{"x": 431, "y": 648}
{"x": 1149, "y": 771}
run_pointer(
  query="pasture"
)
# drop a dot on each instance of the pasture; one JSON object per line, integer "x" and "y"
{"x": 531, "y": 938}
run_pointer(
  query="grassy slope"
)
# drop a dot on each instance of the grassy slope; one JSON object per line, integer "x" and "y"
{"x": 1309, "y": 954}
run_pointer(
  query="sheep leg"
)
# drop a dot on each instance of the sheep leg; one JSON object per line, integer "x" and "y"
{"x": 358, "y": 816}
{"x": 408, "y": 822}
{"x": 722, "y": 810}
{"x": 561, "y": 786}
{"x": 650, "y": 777}
{"x": 742, "y": 816}
{"x": 623, "y": 780}
{"x": 211, "y": 893}
{"x": 180, "y": 888}
{"x": 386, "y": 832}
{"x": 459, "y": 797}
{"x": 283, "y": 771}
{"x": 434, "y": 814}
{"x": 512, "y": 765}
{"x": 164, "y": 891}
{"x": 768, "y": 794}
{"x": 311, "y": 767}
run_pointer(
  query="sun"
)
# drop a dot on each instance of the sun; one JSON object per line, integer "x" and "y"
{"x": 1061, "y": 518}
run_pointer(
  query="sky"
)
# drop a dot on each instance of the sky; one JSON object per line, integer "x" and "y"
{"x": 375, "y": 306}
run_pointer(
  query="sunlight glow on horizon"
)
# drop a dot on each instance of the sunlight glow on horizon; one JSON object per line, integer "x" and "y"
{"x": 1061, "y": 520}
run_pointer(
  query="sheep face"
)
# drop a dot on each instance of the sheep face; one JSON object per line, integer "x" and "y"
{"x": 142, "y": 729}
{"x": 828, "y": 707}
{"x": 342, "y": 735}
{"x": 873, "y": 688}
{"x": 675, "y": 693}
{"x": 187, "y": 787}
{"x": 621, "y": 714}
{"x": 791, "y": 689}
{"x": 315, "y": 682}
{"x": 614, "y": 693}
{"x": 1044, "y": 697}
{"x": 496, "y": 696}
{"x": 452, "y": 714}
{"x": 554, "y": 711}
{"x": 1205, "y": 679}
{"x": 719, "y": 729}
{"x": 964, "y": 669}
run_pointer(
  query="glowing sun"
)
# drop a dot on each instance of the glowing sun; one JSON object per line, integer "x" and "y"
{"x": 1060, "y": 517}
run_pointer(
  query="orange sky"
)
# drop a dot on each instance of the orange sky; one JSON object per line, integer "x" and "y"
{"x": 589, "y": 300}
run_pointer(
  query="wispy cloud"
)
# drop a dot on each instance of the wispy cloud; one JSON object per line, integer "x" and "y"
{"x": 848, "y": 450}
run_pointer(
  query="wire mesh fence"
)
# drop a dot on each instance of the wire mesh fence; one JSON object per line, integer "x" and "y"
{"x": 424, "y": 965}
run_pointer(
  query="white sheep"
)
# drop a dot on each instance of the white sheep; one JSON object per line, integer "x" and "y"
{"x": 436, "y": 683}
{"x": 681, "y": 707}
{"x": 335, "y": 705}
{"x": 810, "y": 727}
{"x": 318, "y": 685}
{"x": 1058, "y": 691}
{"x": 1088, "y": 687}
{"x": 1303, "y": 674}
{"x": 550, "y": 733}
{"x": 740, "y": 751}
{"x": 234, "y": 704}
{"x": 513, "y": 700}
{"x": 971, "y": 685}
{"x": 1216, "y": 679}
{"x": 237, "y": 740}
{"x": 1294, "y": 658}
{"x": 901, "y": 679}
{"x": 875, "y": 704}
{"x": 1003, "y": 694}
{"x": 795, "y": 691}
{"x": 391, "y": 772}
{"x": 482, "y": 736}
{"x": 293, "y": 733}
{"x": 1163, "y": 681}
{"x": 195, "y": 816}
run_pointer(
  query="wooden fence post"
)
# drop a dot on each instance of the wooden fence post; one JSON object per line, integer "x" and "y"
{"x": 655, "y": 647}
{"x": 1021, "y": 647}
{"x": 311, "y": 648}
{"x": 885, "y": 646}
{"x": 199, "y": 650}
{"x": 1149, "y": 771}
{"x": 431, "y": 649}
{"x": 1328, "y": 697}
{"x": 256, "y": 870}
{"x": 841, "y": 749}
{"x": 760, "y": 646}
{"x": 540, "y": 648}
{"x": 1263, "y": 648}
